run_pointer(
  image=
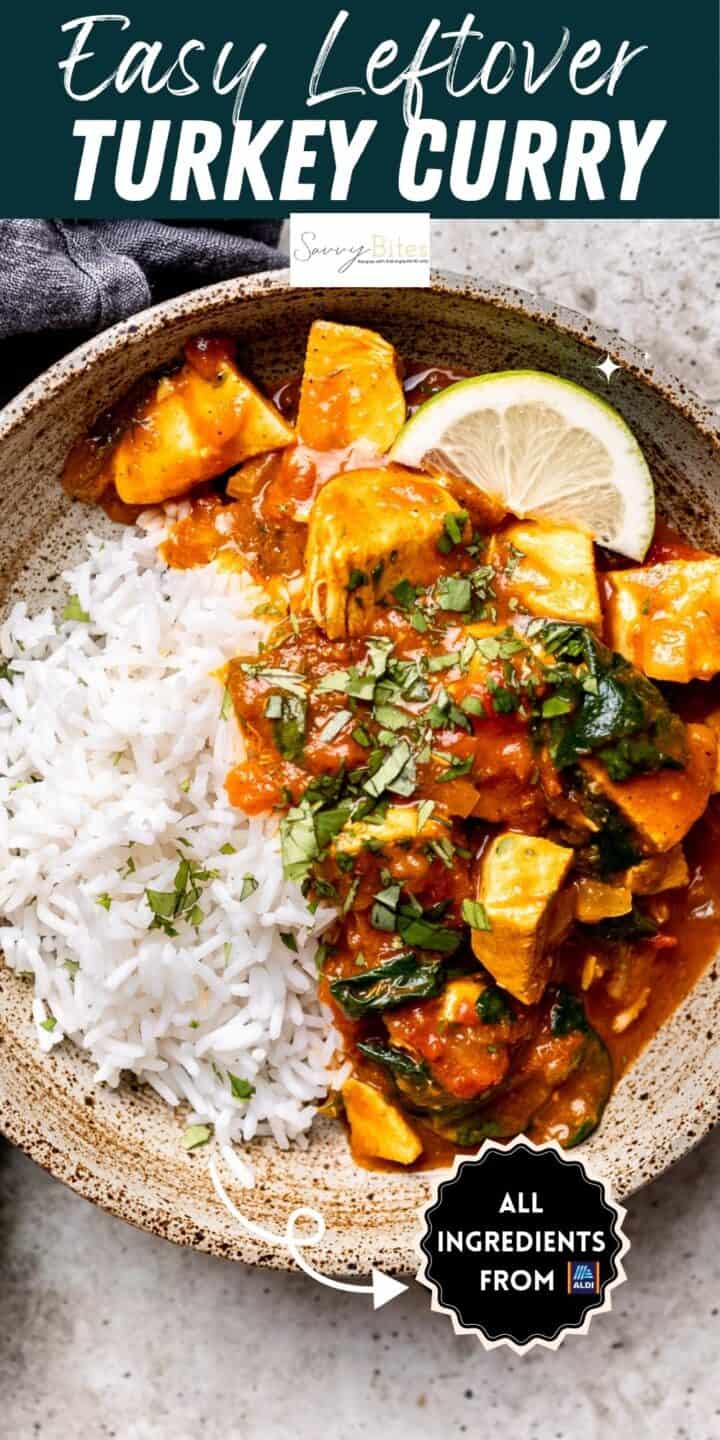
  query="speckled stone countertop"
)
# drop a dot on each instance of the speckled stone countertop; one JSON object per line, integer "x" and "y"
{"x": 105, "y": 1331}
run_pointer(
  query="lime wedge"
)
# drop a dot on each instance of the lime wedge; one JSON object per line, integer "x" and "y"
{"x": 542, "y": 446}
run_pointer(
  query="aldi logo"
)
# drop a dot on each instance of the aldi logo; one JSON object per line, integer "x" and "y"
{"x": 583, "y": 1277}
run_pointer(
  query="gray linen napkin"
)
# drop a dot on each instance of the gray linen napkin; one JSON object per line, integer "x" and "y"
{"x": 62, "y": 280}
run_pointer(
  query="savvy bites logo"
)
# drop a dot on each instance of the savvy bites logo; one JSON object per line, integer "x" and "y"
{"x": 366, "y": 249}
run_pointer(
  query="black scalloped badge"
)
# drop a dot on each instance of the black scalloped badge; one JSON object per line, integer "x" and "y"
{"x": 520, "y": 1245}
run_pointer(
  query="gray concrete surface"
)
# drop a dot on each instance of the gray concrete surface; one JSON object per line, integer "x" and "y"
{"x": 106, "y": 1332}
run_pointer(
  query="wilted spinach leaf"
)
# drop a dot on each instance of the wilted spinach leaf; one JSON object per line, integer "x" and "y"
{"x": 396, "y": 1060}
{"x": 399, "y": 980}
{"x": 636, "y": 925}
{"x": 423, "y": 929}
{"x": 472, "y": 1132}
{"x": 575, "y": 1110}
{"x": 288, "y": 714}
{"x": 492, "y": 1006}
{"x": 613, "y": 848}
{"x": 567, "y": 1014}
{"x": 617, "y": 714}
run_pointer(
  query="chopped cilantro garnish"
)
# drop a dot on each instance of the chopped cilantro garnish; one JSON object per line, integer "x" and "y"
{"x": 241, "y": 1089}
{"x": 445, "y": 661}
{"x": 195, "y": 1136}
{"x": 349, "y": 900}
{"x": 453, "y": 592}
{"x": 228, "y": 849}
{"x": 510, "y": 645}
{"x": 475, "y": 915}
{"x": 379, "y": 649}
{"x": 514, "y": 556}
{"x": 391, "y": 717}
{"x": 356, "y": 578}
{"x": 74, "y": 611}
{"x": 394, "y": 768}
{"x": 455, "y": 769}
{"x": 482, "y": 580}
{"x": 226, "y": 704}
{"x": 334, "y": 725}
{"x": 419, "y": 928}
{"x": 383, "y": 915}
{"x": 557, "y": 705}
{"x": 488, "y": 646}
{"x": 105, "y": 900}
{"x": 290, "y": 681}
{"x": 472, "y": 705}
{"x": 180, "y": 903}
{"x": 504, "y": 701}
{"x": 288, "y": 714}
{"x": 163, "y": 905}
{"x": 289, "y": 940}
{"x": 405, "y": 594}
{"x": 335, "y": 680}
{"x": 453, "y": 526}
{"x": 49, "y": 1023}
{"x": 299, "y": 841}
{"x": 249, "y": 885}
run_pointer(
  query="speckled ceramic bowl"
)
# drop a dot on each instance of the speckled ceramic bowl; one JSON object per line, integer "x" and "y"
{"x": 121, "y": 1148}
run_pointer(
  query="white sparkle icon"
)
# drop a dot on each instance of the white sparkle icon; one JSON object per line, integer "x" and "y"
{"x": 607, "y": 368}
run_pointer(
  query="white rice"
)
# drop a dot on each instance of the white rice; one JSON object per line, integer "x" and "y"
{"x": 113, "y": 748}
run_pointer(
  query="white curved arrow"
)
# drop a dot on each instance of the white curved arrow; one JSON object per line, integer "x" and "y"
{"x": 383, "y": 1288}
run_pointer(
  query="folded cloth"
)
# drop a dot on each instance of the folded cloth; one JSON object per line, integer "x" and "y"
{"x": 63, "y": 280}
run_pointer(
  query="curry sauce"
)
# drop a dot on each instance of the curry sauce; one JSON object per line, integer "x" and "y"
{"x": 512, "y": 821}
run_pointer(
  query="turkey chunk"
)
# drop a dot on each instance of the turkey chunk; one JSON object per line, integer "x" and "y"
{"x": 549, "y": 569}
{"x": 368, "y": 530}
{"x": 519, "y": 887}
{"x": 666, "y": 618}
{"x": 189, "y": 426}
{"x": 594, "y": 900}
{"x": 378, "y": 1128}
{"x": 662, "y": 806}
{"x": 659, "y": 872}
{"x": 350, "y": 389}
{"x": 459, "y": 1001}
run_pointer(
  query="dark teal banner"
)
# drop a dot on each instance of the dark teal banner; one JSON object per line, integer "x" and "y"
{"x": 178, "y": 110}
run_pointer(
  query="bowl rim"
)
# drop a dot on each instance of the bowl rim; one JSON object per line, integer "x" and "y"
{"x": 196, "y": 305}
{"x": 573, "y": 323}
